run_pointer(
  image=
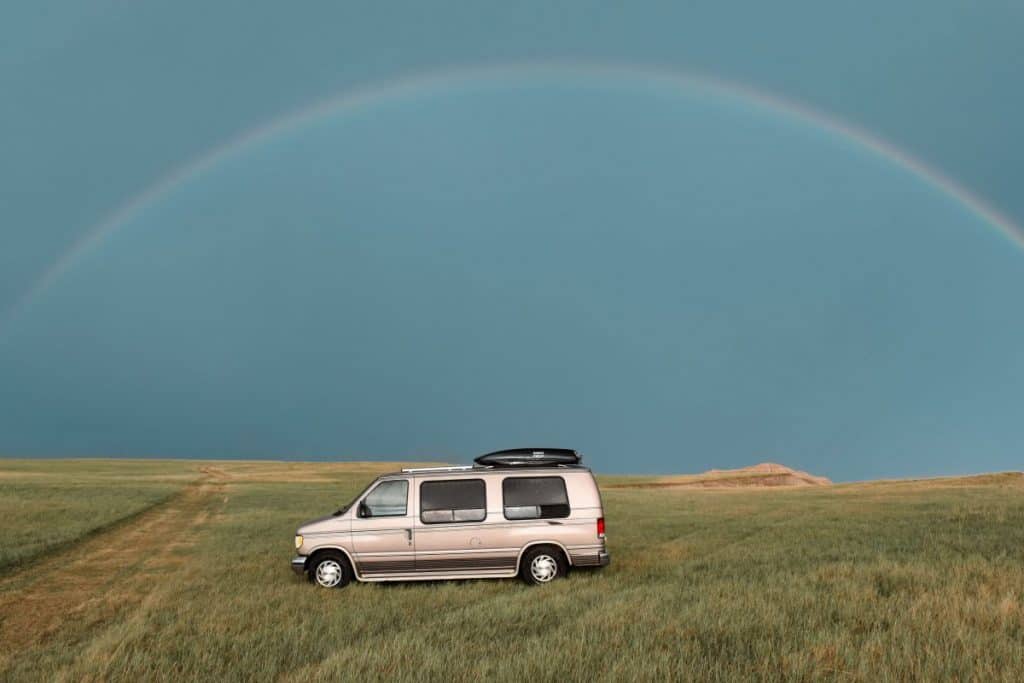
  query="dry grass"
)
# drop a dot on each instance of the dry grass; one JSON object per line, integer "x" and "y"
{"x": 890, "y": 581}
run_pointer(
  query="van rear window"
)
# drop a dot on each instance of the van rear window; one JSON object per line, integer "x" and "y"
{"x": 534, "y": 498}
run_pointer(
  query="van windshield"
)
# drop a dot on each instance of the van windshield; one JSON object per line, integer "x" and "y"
{"x": 344, "y": 508}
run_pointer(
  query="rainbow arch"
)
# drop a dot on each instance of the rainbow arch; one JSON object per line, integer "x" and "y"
{"x": 425, "y": 82}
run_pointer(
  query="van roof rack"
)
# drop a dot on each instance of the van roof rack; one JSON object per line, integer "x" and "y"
{"x": 445, "y": 468}
{"x": 530, "y": 457}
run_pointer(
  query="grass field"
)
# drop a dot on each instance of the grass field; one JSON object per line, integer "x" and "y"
{"x": 71, "y": 499}
{"x": 882, "y": 581}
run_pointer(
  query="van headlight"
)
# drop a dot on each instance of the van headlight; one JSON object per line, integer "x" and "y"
{"x": 298, "y": 541}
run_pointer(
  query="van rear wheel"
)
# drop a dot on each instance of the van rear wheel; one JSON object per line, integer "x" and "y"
{"x": 330, "y": 570}
{"x": 543, "y": 564}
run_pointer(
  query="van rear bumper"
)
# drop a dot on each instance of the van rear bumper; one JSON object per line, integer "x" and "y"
{"x": 299, "y": 564}
{"x": 604, "y": 558}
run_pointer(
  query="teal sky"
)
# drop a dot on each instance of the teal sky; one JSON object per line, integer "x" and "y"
{"x": 665, "y": 276}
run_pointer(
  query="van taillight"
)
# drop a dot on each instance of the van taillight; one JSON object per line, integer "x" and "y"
{"x": 600, "y": 527}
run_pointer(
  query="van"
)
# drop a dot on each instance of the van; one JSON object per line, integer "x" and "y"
{"x": 531, "y": 512}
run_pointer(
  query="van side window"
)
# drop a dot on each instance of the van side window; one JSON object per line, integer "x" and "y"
{"x": 389, "y": 499}
{"x": 456, "y": 500}
{"x": 534, "y": 497}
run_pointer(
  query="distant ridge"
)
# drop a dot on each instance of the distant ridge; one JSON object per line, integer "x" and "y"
{"x": 765, "y": 474}
{"x": 789, "y": 475}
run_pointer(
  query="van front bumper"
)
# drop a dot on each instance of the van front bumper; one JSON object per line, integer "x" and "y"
{"x": 299, "y": 564}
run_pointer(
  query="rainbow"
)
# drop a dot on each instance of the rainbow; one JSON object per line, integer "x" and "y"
{"x": 423, "y": 83}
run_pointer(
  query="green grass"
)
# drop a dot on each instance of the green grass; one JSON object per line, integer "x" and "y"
{"x": 51, "y": 503}
{"x": 886, "y": 581}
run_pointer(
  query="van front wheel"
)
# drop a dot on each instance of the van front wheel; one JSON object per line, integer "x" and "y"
{"x": 543, "y": 564}
{"x": 330, "y": 570}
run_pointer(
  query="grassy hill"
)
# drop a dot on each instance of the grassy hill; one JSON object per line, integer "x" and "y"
{"x": 888, "y": 580}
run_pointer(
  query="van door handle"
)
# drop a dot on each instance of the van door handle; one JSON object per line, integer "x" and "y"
{"x": 555, "y": 523}
{"x": 408, "y": 535}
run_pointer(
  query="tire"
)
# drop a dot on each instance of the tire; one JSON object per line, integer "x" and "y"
{"x": 543, "y": 564}
{"x": 330, "y": 569}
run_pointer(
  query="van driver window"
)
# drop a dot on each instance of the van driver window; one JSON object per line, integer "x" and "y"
{"x": 387, "y": 500}
{"x": 456, "y": 500}
{"x": 534, "y": 497}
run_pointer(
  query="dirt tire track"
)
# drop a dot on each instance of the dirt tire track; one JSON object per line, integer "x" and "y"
{"x": 99, "y": 577}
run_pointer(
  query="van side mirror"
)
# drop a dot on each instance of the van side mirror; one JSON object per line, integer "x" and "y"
{"x": 363, "y": 510}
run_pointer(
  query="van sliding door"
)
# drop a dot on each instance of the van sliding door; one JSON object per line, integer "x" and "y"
{"x": 452, "y": 528}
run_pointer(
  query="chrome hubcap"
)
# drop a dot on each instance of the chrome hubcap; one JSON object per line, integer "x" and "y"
{"x": 543, "y": 568}
{"x": 328, "y": 573}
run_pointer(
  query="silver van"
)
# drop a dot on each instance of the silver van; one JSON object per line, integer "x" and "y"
{"x": 531, "y": 512}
